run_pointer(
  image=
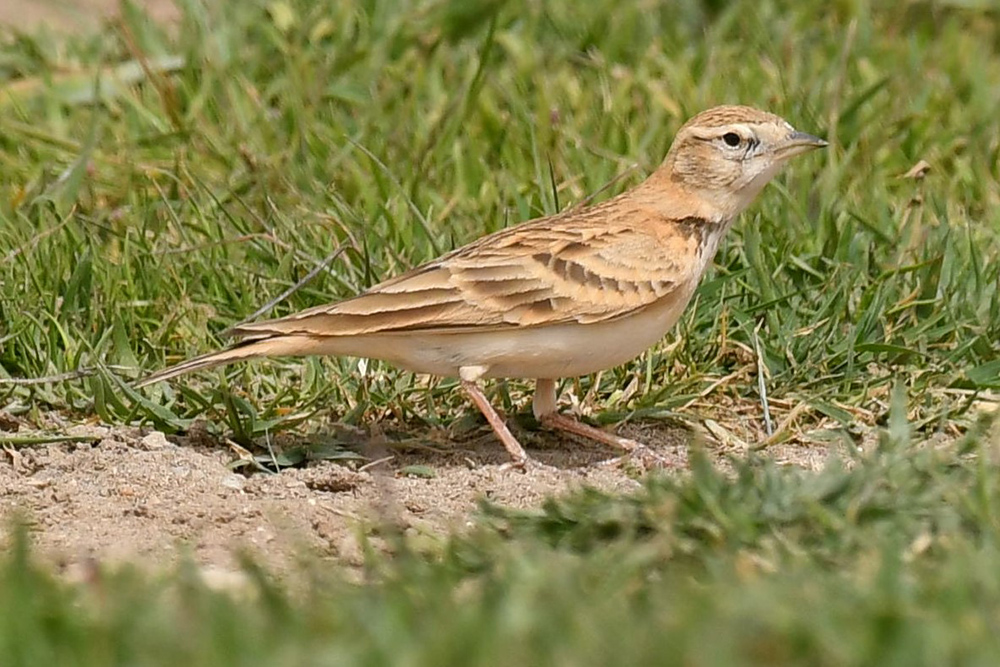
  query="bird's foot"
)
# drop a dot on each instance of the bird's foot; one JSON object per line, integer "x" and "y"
{"x": 638, "y": 453}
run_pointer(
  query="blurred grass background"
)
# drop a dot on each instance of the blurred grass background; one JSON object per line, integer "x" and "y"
{"x": 159, "y": 183}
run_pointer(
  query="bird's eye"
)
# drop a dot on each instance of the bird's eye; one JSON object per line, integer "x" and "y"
{"x": 732, "y": 139}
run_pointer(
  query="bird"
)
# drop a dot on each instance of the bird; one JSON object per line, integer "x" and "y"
{"x": 566, "y": 295}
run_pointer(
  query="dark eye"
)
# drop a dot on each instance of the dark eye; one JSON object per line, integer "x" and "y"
{"x": 732, "y": 139}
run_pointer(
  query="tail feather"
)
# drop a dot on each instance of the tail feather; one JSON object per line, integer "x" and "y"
{"x": 275, "y": 346}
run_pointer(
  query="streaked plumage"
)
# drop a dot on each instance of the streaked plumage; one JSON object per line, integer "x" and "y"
{"x": 555, "y": 297}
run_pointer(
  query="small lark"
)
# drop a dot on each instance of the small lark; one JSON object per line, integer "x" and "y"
{"x": 562, "y": 296}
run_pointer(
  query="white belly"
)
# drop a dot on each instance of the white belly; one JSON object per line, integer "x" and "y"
{"x": 563, "y": 350}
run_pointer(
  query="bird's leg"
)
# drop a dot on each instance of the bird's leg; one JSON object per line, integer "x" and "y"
{"x": 544, "y": 407}
{"x": 510, "y": 443}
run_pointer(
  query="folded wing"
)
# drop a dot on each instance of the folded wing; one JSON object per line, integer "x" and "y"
{"x": 544, "y": 272}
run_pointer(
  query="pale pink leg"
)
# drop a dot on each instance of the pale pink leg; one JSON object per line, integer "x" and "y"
{"x": 544, "y": 407}
{"x": 510, "y": 443}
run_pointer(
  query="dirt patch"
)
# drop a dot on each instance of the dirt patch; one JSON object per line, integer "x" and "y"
{"x": 135, "y": 495}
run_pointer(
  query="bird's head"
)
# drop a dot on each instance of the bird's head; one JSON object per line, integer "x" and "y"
{"x": 725, "y": 155}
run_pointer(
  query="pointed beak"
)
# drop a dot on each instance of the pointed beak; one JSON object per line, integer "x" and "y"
{"x": 798, "y": 143}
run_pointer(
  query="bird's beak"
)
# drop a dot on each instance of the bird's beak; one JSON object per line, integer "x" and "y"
{"x": 798, "y": 143}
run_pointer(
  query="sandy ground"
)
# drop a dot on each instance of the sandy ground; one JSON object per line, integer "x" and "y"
{"x": 136, "y": 495}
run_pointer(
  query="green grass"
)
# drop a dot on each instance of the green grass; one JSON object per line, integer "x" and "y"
{"x": 255, "y": 143}
{"x": 158, "y": 186}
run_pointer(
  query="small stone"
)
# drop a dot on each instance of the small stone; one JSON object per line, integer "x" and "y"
{"x": 234, "y": 481}
{"x": 155, "y": 440}
{"x": 88, "y": 430}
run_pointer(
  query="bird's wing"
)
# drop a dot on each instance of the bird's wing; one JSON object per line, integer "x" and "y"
{"x": 579, "y": 267}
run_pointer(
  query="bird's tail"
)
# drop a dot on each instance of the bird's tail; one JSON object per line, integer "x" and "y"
{"x": 248, "y": 349}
